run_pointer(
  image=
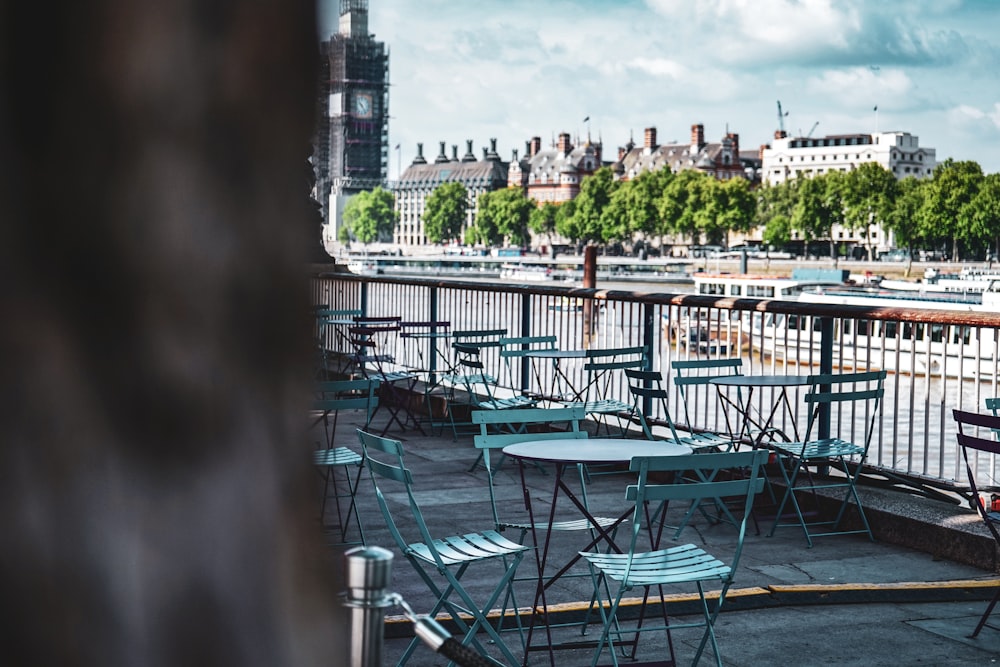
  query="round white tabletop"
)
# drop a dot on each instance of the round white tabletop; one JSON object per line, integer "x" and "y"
{"x": 592, "y": 450}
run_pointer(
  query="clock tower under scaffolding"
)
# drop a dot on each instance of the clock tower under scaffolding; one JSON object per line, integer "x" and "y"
{"x": 351, "y": 151}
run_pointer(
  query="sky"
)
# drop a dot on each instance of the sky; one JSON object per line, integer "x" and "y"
{"x": 512, "y": 69}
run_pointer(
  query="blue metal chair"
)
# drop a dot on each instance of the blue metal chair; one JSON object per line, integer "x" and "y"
{"x": 441, "y": 563}
{"x": 969, "y": 424}
{"x": 602, "y": 368}
{"x": 688, "y": 563}
{"x": 333, "y": 398}
{"x": 859, "y": 394}
{"x": 370, "y": 341}
{"x": 692, "y": 378}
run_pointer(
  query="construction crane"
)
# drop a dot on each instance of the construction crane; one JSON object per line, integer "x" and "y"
{"x": 812, "y": 130}
{"x": 781, "y": 134}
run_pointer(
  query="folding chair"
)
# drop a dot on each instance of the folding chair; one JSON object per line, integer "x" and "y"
{"x": 334, "y": 398}
{"x": 602, "y": 367}
{"x": 515, "y": 350}
{"x": 395, "y": 386}
{"x": 678, "y": 564}
{"x": 441, "y": 563}
{"x": 330, "y": 338}
{"x": 692, "y": 378}
{"x": 969, "y": 438}
{"x": 856, "y": 396}
{"x": 650, "y": 397}
{"x": 425, "y": 346}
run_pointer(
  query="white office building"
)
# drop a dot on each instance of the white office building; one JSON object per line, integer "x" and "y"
{"x": 899, "y": 152}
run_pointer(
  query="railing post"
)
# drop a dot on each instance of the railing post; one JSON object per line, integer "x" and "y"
{"x": 526, "y": 331}
{"x": 825, "y": 366}
{"x": 369, "y": 571}
{"x": 364, "y": 298}
{"x": 648, "y": 339}
{"x": 433, "y": 317}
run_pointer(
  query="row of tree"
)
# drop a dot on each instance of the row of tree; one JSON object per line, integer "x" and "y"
{"x": 957, "y": 209}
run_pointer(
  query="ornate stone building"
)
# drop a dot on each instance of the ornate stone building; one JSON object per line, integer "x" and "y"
{"x": 721, "y": 160}
{"x": 420, "y": 179}
{"x": 554, "y": 174}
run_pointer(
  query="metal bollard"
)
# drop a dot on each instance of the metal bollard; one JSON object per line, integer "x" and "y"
{"x": 369, "y": 572}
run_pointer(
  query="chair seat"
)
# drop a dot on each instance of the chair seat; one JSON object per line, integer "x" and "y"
{"x": 819, "y": 449}
{"x": 604, "y": 406}
{"x": 507, "y": 403}
{"x": 569, "y": 524}
{"x": 664, "y": 566}
{"x": 394, "y": 376}
{"x": 468, "y": 548}
{"x": 337, "y": 456}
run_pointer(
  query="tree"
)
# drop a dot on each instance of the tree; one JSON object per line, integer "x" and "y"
{"x": 984, "y": 213}
{"x": 445, "y": 211}
{"x": 679, "y": 203}
{"x": 908, "y": 218}
{"x": 727, "y": 206}
{"x": 595, "y": 194}
{"x": 870, "y": 193}
{"x": 543, "y": 219}
{"x": 954, "y": 185}
{"x": 370, "y": 216}
{"x": 566, "y": 221}
{"x": 504, "y": 214}
{"x": 633, "y": 206}
{"x": 819, "y": 207}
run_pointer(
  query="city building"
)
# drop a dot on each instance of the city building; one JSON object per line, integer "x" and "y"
{"x": 421, "y": 178}
{"x": 554, "y": 174}
{"x": 899, "y": 152}
{"x": 721, "y": 160}
{"x": 351, "y": 151}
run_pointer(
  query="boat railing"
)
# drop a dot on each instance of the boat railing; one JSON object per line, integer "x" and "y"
{"x": 938, "y": 360}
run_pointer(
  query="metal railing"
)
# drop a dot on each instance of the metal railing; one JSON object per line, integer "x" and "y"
{"x": 938, "y": 360}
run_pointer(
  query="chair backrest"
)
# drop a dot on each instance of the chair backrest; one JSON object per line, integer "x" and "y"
{"x": 602, "y": 367}
{"x": 470, "y": 372}
{"x": 648, "y": 394}
{"x": 692, "y": 375}
{"x": 706, "y": 483}
{"x": 861, "y": 393}
{"x": 422, "y": 334}
{"x": 518, "y": 419}
{"x": 384, "y": 460}
{"x": 972, "y": 427}
{"x": 334, "y": 396}
{"x": 517, "y": 348}
{"x": 371, "y": 344}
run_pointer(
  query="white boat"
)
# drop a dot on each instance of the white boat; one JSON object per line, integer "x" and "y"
{"x": 715, "y": 333}
{"x": 531, "y": 273}
{"x": 967, "y": 281}
{"x": 903, "y": 347}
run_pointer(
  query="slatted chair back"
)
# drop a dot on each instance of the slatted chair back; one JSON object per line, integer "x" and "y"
{"x": 514, "y": 351}
{"x": 649, "y": 396}
{"x": 603, "y": 370}
{"x": 692, "y": 377}
{"x": 517, "y": 423}
{"x": 973, "y": 428}
{"x": 860, "y": 392}
{"x": 335, "y": 396}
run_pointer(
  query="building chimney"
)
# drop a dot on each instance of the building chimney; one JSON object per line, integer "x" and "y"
{"x": 564, "y": 146}
{"x": 454, "y": 152}
{"x": 441, "y": 156}
{"x": 420, "y": 155}
{"x": 621, "y": 153}
{"x": 736, "y": 143}
{"x": 469, "y": 155}
{"x": 536, "y": 146}
{"x": 650, "y": 138}
{"x": 697, "y": 137}
{"x": 492, "y": 155}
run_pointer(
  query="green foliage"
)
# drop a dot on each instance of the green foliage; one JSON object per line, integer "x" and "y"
{"x": 680, "y": 202}
{"x": 595, "y": 195}
{"x": 633, "y": 208}
{"x": 778, "y": 231}
{"x": 566, "y": 224}
{"x": 503, "y": 214}
{"x": 445, "y": 211}
{"x": 543, "y": 218}
{"x": 727, "y": 206}
{"x": 370, "y": 216}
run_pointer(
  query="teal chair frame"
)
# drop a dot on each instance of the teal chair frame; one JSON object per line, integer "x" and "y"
{"x": 334, "y": 397}
{"x": 861, "y": 393}
{"x": 970, "y": 424}
{"x": 442, "y": 562}
{"x": 603, "y": 369}
{"x": 693, "y": 377}
{"x": 688, "y": 563}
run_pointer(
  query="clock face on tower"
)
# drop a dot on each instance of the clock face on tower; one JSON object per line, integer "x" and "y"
{"x": 362, "y": 105}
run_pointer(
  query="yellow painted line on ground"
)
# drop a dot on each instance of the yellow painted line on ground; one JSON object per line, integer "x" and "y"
{"x": 899, "y": 586}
